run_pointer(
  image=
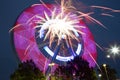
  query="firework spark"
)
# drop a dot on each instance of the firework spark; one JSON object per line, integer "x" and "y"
{"x": 106, "y": 8}
{"x": 60, "y": 25}
{"x": 105, "y": 14}
{"x": 63, "y": 24}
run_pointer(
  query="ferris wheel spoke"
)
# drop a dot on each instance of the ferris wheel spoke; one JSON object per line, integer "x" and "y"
{"x": 69, "y": 48}
{"x": 56, "y": 51}
{"x": 71, "y": 51}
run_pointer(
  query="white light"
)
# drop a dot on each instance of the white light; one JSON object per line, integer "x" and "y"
{"x": 51, "y": 64}
{"x": 114, "y": 49}
{"x": 99, "y": 75}
{"x": 60, "y": 24}
{"x": 108, "y": 56}
{"x": 104, "y": 65}
{"x": 79, "y": 49}
{"x": 60, "y": 58}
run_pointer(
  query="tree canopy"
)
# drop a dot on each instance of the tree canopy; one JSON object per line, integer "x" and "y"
{"x": 27, "y": 71}
{"x": 77, "y": 68}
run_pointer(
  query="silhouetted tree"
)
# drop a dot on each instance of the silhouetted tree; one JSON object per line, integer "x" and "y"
{"x": 77, "y": 68}
{"x": 107, "y": 73}
{"x": 27, "y": 71}
{"x": 63, "y": 73}
{"x": 80, "y": 68}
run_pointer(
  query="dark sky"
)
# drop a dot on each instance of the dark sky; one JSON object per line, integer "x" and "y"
{"x": 11, "y": 9}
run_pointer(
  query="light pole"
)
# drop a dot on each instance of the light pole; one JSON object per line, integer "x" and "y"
{"x": 50, "y": 70}
{"x": 104, "y": 65}
{"x": 99, "y": 76}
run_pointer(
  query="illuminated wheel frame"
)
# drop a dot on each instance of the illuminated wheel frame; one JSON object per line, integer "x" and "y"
{"x": 61, "y": 56}
{"x": 27, "y": 46}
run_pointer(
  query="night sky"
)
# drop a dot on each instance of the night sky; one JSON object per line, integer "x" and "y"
{"x": 11, "y": 9}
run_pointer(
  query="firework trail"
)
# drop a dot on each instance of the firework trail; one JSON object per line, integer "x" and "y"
{"x": 61, "y": 23}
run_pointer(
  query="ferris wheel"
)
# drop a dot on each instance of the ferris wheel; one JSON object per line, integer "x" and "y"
{"x": 31, "y": 42}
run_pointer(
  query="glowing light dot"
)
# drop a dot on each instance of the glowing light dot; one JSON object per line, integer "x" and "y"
{"x": 108, "y": 56}
{"x": 51, "y": 64}
{"x": 104, "y": 65}
{"x": 100, "y": 75}
{"x": 115, "y": 50}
